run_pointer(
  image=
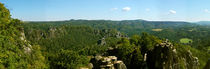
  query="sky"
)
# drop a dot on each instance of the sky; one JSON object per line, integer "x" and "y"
{"x": 152, "y": 10}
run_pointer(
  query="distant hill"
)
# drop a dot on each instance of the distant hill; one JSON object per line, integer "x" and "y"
{"x": 203, "y": 23}
{"x": 137, "y": 26}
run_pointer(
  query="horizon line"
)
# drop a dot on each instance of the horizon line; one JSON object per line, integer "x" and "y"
{"x": 108, "y": 20}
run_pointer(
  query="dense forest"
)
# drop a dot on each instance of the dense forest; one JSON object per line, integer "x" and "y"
{"x": 75, "y": 44}
{"x": 174, "y": 31}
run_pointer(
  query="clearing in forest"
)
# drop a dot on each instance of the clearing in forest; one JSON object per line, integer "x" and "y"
{"x": 157, "y": 30}
{"x": 186, "y": 40}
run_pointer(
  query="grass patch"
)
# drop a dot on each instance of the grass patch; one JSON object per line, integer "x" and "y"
{"x": 186, "y": 40}
{"x": 157, "y": 30}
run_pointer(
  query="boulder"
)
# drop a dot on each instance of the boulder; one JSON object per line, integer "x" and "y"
{"x": 109, "y": 62}
{"x": 119, "y": 65}
{"x": 90, "y": 65}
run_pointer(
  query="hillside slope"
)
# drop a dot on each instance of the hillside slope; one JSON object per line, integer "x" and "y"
{"x": 16, "y": 51}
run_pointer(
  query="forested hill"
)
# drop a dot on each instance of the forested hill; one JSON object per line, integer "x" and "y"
{"x": 126, "y": 26}
{"x": 117, "y": 24}
{"x": 173, "y": 30}
{"x": 203, "y": 23}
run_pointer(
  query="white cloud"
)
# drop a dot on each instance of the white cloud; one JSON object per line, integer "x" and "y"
{"x": 172, "y": 11}
{"x": 206, "y": 11}
{"x": 147, "y": 9}
{"x": 126, "y": 9}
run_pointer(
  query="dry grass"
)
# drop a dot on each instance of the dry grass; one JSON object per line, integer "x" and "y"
{"x": 157, "y": 30}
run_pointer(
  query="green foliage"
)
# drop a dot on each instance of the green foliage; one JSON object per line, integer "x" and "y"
{"x": 148, "y": 42}
{"x": 39, "y": 61}
{"x": 82, "y": 36}
{"x": 135, "y": 39}
{"x": 202, "y": 56}
{"x": 67, "y": 59}
{"x": 124, "y": 51}
{"x": 80, "y": 39}
{"x": 173, "y": 31}
{"x": 132, "y": 50}
{"x": 92, "y": 50}
{"x": 4, "y": 15}
{"x": 13, "y": 49}
{"x": 56, "y": 37}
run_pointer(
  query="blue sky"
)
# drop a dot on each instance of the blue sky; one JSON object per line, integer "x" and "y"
{"x": 153, "y": 10}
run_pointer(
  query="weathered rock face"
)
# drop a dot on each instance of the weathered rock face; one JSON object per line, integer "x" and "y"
{"x": 164, "y": 56}
{"x": 27, "y": 47}
{"x": 52, "y": 32}
{"x": 108, "y": 33}
{"x": 109, "y": 62}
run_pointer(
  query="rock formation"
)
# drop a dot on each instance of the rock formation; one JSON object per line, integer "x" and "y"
{"x": 164, "y": 56}
{"x": 27, "y": 47}
{"x": 109, "y": 62}
{"x": 52, "y": 31}
{"x": 102, "y": 41}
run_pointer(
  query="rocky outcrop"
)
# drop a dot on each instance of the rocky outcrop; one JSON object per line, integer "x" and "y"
{"x": 27, "y": 47}
{"x": 119, "y": 35}
{"x": 109, "y": 33}
{"x": 102, "y": 41}
{"x": 52, "y": 31}
{"x": 109, "y": 62}
{"x": 164, "y": 56}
